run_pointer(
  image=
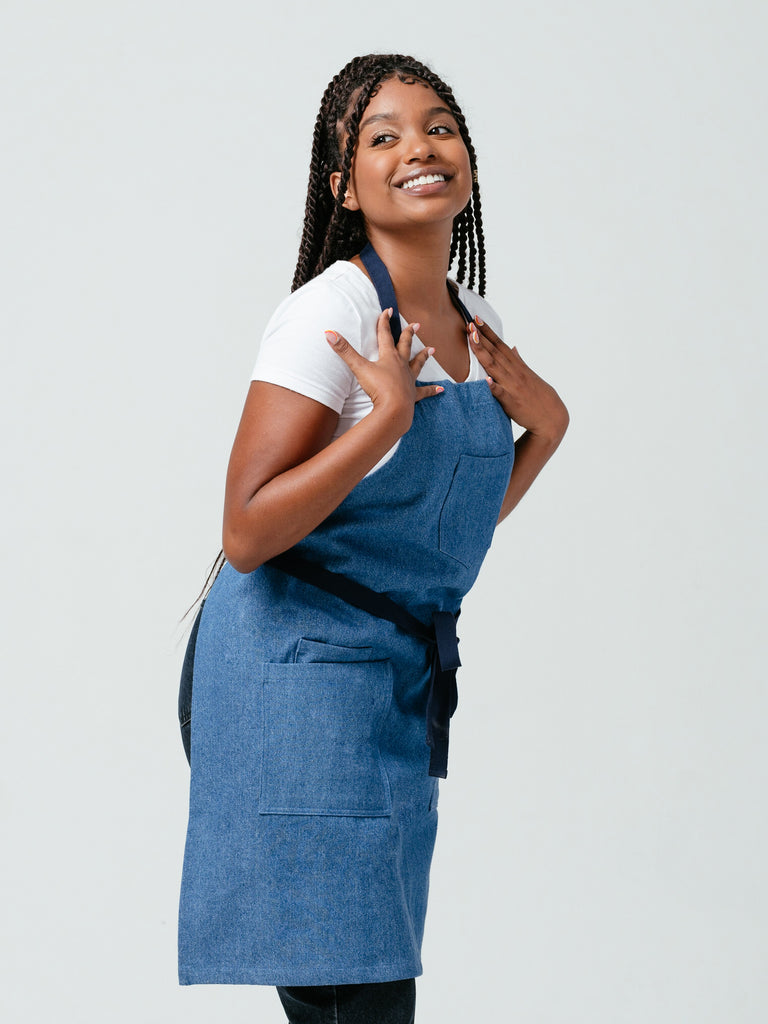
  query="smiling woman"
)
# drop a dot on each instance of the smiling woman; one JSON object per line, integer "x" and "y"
{"x": 373, "y": 460}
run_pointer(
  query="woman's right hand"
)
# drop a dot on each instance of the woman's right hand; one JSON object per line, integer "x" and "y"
{"x": 390, "y": 381}
{"x": 286, "y": 474}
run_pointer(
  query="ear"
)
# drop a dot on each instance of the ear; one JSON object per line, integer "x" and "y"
{"x": 350, "y": 203}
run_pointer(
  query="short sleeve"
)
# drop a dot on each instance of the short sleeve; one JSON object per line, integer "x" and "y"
{"x": 294, "y": 352}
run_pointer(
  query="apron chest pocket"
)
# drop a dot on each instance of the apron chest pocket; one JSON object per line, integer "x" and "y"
{"x": 465, "y": 532}
{"x": 320, "y": 753}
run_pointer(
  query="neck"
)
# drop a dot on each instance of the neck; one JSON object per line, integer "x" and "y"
{"x": 418, "y": 267}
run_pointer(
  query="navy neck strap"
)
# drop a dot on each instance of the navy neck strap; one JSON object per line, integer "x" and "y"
{"x": 382, "y": 282}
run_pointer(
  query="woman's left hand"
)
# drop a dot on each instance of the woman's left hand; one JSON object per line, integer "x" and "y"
{"x": 523, "y": 395}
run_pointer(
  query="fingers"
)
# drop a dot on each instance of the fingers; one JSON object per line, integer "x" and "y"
{"x": 496, "y": 389}
{"x": 492, "y": 353}
{"x": 349, "y": 354}
{"x": 483, "y": 338}
{"x": 384, "y": 331}
{"x": 419, "y": 360}
{"x": 406, "y": 340}
{"x": 485, "y": 348}
{"x": 479, "y": 342}
{"x": 341, "y": 347}
{"x": 482, "y": 334}
{"x": 385, "y": 337}
{"x": 424, "y": 390}
{"x": 428, "y": 391}
{"x": 485, "y": 331}
{"x": 506, "y": 371}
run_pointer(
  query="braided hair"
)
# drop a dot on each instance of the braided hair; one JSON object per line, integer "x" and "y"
{"x": 332, "y": 232}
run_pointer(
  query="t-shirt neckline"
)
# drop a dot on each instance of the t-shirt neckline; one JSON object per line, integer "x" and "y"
{"x": 372, "y": 289}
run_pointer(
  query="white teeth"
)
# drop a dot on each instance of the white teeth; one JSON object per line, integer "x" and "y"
{"x": 423, "y": 179}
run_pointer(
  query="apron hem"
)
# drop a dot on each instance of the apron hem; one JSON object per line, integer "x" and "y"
{"x": 245, "y": 976}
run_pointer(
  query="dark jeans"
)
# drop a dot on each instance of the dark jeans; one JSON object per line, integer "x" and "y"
{"x": 389, "y": 1002}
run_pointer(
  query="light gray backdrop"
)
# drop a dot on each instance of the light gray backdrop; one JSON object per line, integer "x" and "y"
{"x": 602, "y": 846}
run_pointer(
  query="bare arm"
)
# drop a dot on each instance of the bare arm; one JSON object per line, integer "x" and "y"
{"x": 526, "y": 399}
{"x": 285, "y": 475}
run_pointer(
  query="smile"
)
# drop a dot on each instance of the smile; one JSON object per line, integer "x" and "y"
{"x": 423, "y": 179}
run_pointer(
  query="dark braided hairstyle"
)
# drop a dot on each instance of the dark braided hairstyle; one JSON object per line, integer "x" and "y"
{"x": 331, "y": 232}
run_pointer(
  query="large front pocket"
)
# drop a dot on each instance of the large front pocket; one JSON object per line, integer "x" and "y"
{"x": 471, "y": 507}
{"x": 322, "y": 723}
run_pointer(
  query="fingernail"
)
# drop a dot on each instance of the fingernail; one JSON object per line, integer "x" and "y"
{"x": 430, "y": 351}
{"x": 332, "y": 336}
{"x": 439, "y": 390}
{"x": 389, "y": 311}
{"x": 473, "y": 334}
{"x": 478, "y": 321}
{"x": 415, "y": 327}
{"x": 489, "y": 379}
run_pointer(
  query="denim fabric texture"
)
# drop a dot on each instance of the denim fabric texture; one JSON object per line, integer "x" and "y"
{"x": 391, "y": 1002}
{"x": 312, "y": 813}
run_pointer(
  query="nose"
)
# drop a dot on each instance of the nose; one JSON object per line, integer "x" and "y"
{"x": 420, "y": 148}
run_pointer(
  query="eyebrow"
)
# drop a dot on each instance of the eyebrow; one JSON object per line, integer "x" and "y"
{"x": 375, "y": 118}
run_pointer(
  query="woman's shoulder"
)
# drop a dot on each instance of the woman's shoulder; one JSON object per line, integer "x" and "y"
{"x": 294, "y": 352}
{"x": 478, "y": 306}
{"x": 341, "y": 296}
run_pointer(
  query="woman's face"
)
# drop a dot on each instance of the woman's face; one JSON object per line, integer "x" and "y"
{"x": 406, "y": 133}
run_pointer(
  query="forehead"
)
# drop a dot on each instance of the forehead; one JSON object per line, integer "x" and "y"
{"x": 397, "y": 97}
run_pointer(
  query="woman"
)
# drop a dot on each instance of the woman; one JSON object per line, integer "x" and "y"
{"x": 321, "y": 708}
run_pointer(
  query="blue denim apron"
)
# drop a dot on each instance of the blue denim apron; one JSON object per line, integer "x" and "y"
{"x": 313, "y": 812}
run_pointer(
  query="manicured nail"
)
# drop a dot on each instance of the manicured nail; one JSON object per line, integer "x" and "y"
{"x": 478, "y": 321}
{"x": 489, "y": 379}
{"x": 389, "y": 311}
{"x": 332, "y": 336}
{"x": 439, "y": 390}
{"x": 474, "y": 335}
{"x": 430, "y": 351}
{"x": 415, "y": 327}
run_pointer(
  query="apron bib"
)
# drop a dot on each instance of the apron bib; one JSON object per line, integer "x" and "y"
{"x": 312, "y": 810}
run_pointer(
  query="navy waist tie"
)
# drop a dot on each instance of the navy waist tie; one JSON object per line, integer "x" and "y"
{"x": 440, "y": 636}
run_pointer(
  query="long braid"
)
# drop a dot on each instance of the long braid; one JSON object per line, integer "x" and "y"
{"x": 480, "y": 235}
{"x": 343, "y": 228}
{"x": 319, "y": 203}
{"x": 314, "y": 209}
{"x": 472, "y": 244}
{"x": 462, "y": 233}
{"x": 455, "y": 238}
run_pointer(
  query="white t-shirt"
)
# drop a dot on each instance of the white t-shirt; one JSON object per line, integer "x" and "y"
{"x": 294, "y": 352}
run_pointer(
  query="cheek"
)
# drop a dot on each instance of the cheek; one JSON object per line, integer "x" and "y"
{"x": 463, "y": 162}
{"x": 366, "y": 175}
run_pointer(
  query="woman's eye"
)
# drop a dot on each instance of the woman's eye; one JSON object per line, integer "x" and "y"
{"x": 381, "y": 137}
{"x": 441, "y": 129}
